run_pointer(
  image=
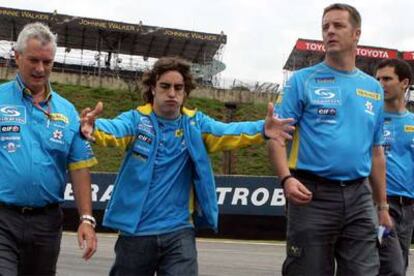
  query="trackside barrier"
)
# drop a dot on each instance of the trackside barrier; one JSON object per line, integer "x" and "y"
{"x": 236, "y": 195}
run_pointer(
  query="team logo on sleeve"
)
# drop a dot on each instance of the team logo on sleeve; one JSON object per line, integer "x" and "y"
{"x": 326, "y": 96}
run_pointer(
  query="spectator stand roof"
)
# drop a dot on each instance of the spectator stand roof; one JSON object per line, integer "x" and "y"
{"x": 116, "y": 37}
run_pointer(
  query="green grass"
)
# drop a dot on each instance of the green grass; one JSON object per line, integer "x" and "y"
{"x": 247, "y": 161}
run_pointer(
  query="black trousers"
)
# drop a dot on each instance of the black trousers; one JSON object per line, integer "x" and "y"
{"x": 395, "y": 248}
{"x": 335, "y": 233}
{"x": 30, "y": 240}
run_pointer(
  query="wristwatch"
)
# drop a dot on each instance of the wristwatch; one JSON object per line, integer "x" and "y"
{"x": 88, "y": 219}
{"x": 383, "y": 207}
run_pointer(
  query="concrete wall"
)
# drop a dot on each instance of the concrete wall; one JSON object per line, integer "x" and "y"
{"x": 222, "y": 95}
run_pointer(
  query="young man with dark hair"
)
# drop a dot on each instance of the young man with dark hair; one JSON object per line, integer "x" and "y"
{"x": 166, "y": 184}
{"x": 395, "y": 77}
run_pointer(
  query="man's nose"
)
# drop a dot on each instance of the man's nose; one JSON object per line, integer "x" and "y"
{"x": 171, "y": 91}
{"x": 40, "y": 67}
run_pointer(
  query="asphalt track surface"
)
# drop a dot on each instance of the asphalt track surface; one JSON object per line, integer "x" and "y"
{"x": 216, "y": 257}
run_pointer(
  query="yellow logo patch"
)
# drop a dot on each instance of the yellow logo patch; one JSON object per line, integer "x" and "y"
{"x": 279, "y": 99}
{"x": 368, "y": 94}
{"x": 179, "y": 132}
{"x": 408, "y": 128}
{"x": 59, "y": 117}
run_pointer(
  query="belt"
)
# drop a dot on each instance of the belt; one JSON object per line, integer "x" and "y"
{"x": 322, "y": 180}
{"x": 401, "y": 200}
{"x": 28, "y": 209}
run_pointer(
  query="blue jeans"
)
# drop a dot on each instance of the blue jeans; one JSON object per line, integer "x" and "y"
{"x": 167, "y": 254}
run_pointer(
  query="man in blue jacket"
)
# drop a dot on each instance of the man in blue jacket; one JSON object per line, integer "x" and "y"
{"x": 166, "y": 183}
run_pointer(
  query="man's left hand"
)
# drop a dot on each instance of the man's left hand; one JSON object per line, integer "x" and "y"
{"x": 87, "y": 240}
{"x": 277, "y": 129}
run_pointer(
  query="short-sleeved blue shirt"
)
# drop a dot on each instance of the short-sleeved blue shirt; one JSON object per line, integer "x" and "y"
{"x": 37, "y": 146}
{"x": 339, "y": 118}
{"x": 399, "y": 151}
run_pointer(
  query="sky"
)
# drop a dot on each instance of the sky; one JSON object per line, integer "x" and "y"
{"x": 260, "y": 33}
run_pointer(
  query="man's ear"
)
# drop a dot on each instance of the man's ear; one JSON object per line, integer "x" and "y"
{"x": 406, "y": 83}
{"x": 358, "y": 34}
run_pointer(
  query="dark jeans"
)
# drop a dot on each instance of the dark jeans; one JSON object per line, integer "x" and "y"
{"x": 395, "y": 248}
{"x": 167, "y": 254}
{"x": 30, "y": 241}
{"x": 339, "y": 224}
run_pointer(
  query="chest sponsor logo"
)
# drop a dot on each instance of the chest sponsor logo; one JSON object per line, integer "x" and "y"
{"x": 145, "y": 125}
{"x": 369, "y": 108}
{"x": 13, "y": 113}
{"x": 367, "y": 94}
{"x": 326, "y": 96}
{"x": 59, "y": 117}
{"x": 179, "y": 132}
{"x": 11, "y": 147}
{"x": 10, "y": 129}
{"x": 327, "y": 111}
{"x": 388, "y": 139}
{"x": 57, "y": 136}
{"x": 9, "y": 138}
{"x": 325, "y": 80}
{"x": 144, "y": 138}
{"x": 408, "y": 128}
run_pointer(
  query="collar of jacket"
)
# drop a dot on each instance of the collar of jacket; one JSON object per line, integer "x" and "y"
{"x": 147, "y": 110}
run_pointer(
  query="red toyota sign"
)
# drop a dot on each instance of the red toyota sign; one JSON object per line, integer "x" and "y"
{"x": 317, "y": 46}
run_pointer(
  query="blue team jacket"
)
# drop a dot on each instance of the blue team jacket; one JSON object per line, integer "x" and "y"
{"x": 136, "y": 131}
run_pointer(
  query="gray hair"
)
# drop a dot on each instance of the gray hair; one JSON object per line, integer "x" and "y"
{"x": 37, "y": 31}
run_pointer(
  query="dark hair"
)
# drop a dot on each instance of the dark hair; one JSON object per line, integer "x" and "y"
{"x": 161, "y": 66}
{"x": 401, "y": 68}
{"x": 354, "y": 16}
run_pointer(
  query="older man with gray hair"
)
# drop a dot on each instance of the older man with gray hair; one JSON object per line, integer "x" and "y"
{"x": 39, "y": 142}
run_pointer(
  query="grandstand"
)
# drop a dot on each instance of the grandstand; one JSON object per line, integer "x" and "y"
{"x": 102, "y": 47}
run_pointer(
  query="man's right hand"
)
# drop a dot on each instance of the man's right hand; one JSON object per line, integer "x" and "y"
{"x": 87, "y": 120}
{"x": 296, "y": 192}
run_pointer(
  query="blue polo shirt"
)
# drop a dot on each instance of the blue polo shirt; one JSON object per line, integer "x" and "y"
{"x": 166, "y": 208}
{"x": 37, "y": 146}
{"x": 399, "y": 152}
{"x": 339, "y": 118}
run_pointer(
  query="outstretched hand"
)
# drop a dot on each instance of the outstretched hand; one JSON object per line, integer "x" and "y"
{"x": 87, "y": 120}
{"x": 277, "y": 129}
